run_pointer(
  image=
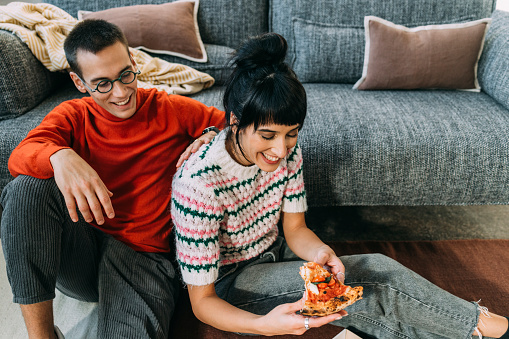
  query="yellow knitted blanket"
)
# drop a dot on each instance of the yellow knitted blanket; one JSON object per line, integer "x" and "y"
{"x": 44, "y": 27}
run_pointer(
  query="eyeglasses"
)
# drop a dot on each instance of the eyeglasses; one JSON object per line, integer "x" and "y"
{"x": 104, "y": 86}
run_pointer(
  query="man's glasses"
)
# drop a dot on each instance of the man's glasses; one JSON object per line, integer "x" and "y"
{"x": 104, "y": 86}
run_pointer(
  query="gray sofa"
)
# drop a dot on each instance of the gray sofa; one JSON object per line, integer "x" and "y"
{"x": 384, "y": 147}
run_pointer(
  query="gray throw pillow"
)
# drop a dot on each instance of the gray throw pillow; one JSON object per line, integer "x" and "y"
{"x": 493, "y": 69}
{"x": 327, "y": 53}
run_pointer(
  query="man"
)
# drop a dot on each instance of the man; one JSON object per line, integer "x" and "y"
{"x": 111, "y": 156}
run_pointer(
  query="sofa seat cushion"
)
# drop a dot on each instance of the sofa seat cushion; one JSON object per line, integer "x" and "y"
{"x": 414, "y": 147}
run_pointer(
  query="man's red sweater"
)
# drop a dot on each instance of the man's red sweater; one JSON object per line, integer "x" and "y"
{"x": 134, "y": 157}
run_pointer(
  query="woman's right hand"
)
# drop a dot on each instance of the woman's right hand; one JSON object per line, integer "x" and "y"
{"x": 283, "y": 319}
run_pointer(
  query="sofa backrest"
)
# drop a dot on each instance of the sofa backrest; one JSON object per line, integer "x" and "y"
{"x": 222, "y": 22}
{"x": 326, "y": 37}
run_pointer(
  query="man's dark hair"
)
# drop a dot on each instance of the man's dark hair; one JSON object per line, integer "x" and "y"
{"x": 91, "y": 35}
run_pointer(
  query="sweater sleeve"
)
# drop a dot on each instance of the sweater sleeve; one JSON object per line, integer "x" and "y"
{"x": 196, "y": 216}
{"x": 195, "y": 116}
{"x": 31, "y": 156}
{"x": 294, "y": 197}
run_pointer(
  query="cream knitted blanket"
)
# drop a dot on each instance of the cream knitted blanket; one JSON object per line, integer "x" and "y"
{"x": 44, "y": 27}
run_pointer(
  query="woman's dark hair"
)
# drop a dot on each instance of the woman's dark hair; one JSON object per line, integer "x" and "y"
{"x": 91, "y": 35}
{"x": 262, "y": 88}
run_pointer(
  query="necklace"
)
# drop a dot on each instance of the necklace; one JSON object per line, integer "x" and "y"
{"x": 235, "y": 153}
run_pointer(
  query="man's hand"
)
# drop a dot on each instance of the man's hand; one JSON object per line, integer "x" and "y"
{"x": 80, "y": 185}
{"x": 195, "y": 145}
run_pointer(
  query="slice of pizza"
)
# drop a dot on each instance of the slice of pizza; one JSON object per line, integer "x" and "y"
{"x": 324, "y": 293}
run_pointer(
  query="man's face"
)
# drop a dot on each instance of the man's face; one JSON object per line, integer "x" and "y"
{"x": 108, "y": 64}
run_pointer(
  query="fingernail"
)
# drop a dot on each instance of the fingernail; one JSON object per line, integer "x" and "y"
{"x": 339, "y": 318}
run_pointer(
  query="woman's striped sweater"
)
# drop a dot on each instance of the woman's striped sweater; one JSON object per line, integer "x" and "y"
{"x": 224, "y": 212}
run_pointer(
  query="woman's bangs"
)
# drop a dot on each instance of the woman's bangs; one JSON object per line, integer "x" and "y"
{"x": 271, "y": 107}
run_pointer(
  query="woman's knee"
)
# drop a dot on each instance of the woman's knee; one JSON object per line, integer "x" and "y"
{"x": 375, "y": 266}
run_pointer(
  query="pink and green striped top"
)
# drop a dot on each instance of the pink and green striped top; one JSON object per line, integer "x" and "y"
{"x": 224, "y": 212}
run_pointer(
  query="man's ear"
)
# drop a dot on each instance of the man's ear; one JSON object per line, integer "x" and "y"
{"x": 77, "y": 82}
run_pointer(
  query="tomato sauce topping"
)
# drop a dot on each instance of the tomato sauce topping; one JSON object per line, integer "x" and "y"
{"x": 327, "y": 290}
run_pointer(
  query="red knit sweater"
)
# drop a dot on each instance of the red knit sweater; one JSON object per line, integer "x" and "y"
{"x": 134, "y": 157}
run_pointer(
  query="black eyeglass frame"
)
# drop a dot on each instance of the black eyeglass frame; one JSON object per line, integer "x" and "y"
{"x": 111, "y": 81}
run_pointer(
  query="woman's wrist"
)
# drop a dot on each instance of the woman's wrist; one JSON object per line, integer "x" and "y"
{"x": 257, "y": 325}
{"x": 324, "y": 249}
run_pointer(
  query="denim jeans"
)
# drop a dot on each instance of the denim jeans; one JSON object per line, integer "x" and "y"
{"x": 397, "y": 302}
{"x": 136, "y": 292}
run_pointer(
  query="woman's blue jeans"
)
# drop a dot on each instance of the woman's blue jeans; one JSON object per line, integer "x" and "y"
{"x": 397, "y": 302}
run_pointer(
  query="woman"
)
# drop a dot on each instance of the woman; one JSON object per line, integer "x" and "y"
{"x": 228, "y": 198}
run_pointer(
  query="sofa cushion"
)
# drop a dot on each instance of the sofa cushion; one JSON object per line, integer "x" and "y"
{"x": 27, "y": 82}
{"x": 217, "y": 65}
{"x": 331, "y": 57}
{"x": 170, "y": 28}
{"x": 434, "y": 56}
{"x": 334, "y": 17}
{"x": 406, "y": 147}
{"x": 494, "y": 62}
{"x": 221, "y": 22}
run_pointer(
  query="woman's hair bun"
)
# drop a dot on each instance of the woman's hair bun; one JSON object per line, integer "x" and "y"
{"x": 266, "y": 50}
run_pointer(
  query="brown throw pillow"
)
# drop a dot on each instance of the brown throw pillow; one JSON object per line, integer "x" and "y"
{"x": 436, "y": 56}
{"x": 170, "y": 28}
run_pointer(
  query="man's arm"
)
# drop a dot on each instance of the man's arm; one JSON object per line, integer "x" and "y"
{"x": 196, "y": 117}
{"x": 46, "y": 152}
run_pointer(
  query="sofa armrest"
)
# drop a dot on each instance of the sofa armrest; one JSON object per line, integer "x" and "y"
{"x": 24, "y": 81}
{"x": 493, "y": 71}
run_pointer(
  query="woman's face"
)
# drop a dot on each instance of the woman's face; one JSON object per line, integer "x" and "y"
{"x": 266, "y": 146}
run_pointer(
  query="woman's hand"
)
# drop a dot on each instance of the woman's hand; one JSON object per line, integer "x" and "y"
{"x": 284, "y": 320}
{"x": 195, "y": 145}
{"x": 325, "y": 256}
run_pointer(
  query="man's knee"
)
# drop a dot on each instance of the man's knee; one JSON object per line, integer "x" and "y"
{"x": 28, "y": 196}
{"x": 26, "y": 188}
